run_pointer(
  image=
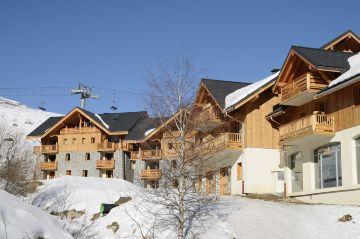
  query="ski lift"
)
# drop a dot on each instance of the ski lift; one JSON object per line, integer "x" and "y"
{"x": 114, "y": 105}
{"x": 42, "y": 104}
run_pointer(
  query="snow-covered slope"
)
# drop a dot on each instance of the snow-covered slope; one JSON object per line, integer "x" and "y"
{"x": 21, "y": 117}
{"x": 232, "y": 217}
{"x": 21, "y": 220}
{"x": 242, "y": 93}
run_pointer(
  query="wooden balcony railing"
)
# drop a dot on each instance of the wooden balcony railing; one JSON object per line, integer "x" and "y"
{"x": 146, "y": 154}
{"x": 79, "y": 130}
{"x": 305, "y": 83}
{"x": 107, "y": 146}
{"x": 105, "y": 164}
{"x": 223, "y": 141}
{"x": 318, "y": 123}
{"x": 125, "y": 146}
{"x": 150, "y": 174}
{"x": 48, "y": 166}
{"x": 210, "y": 113}
{"x": 46, "y": 149}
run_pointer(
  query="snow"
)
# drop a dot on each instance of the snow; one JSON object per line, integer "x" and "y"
{"x": 354, "y": 63}
{"x": 21, "y": 117}
{"x": 232, "y": 216}
{"x": 102, "y": 121}
{"x": 149, "y": 132}
{"x": 22, "y": 220}
{"x": 241, "y": 93}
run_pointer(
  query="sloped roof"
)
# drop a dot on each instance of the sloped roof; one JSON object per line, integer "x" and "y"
{"x": 138, "y": 132}
{"x": 113, "y": 122}
{"x": 47, "y": 124}
{"x": 219, "y": 89}
{"x": 323, "y": 58}
{"x": 339, "y": 37}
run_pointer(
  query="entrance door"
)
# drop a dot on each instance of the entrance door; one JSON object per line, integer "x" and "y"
{"x": 296, "y": 172}
{"x": 225, "y": 181}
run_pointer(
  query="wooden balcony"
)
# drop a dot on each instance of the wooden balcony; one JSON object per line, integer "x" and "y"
{"x": 312, "y": 124}
{"x": 209, "y": 114}
{"x": 79, "y": 130}
{"x": 150, "y": 174}
{"x": 125, "y": 146}
{"x": 146, "y": 154}
{"x": 301, "y": 90}
{"x": 223, "y": 141}
{"x": 105, "y": 164}
{"x": 48, "y": 166}
{"x": 46, "y": 149}
{"x": 107, "y": 147}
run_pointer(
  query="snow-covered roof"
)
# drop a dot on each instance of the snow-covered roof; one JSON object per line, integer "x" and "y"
{"x": 148, "y": 132}
{"x": 242, "y": 93}
{"x": 102, "y": 121}
{"x": 354, "y": 70}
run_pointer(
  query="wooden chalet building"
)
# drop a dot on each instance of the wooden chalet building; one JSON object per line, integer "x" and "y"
{"x": 82, "y": 143}
{"x": 318, "y": 118}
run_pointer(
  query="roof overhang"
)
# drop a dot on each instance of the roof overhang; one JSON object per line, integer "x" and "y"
{"x": 351, "y": 80}
{"x": 347, "y": 35}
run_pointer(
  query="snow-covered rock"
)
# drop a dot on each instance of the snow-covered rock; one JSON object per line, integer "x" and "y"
{"x": 241, "y": 93}
{"x": 21, "y": 220}
{"x": 21, "y": 117}
{"x": 354, "y": 70}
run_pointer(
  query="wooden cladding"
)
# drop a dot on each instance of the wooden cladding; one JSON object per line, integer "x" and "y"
{"x": 46, "y": 149}
{"x": 146, "y": 154}
{"x": 105, "y": 164}
{"x": 79, "y": 130}
{"x": 222, "y": 141}
{"x": 107, "y": 147}
{"x": 150, "y": 174}
{"x": 48, "y": 166}
{"x": 309, "y": 124}
{"x": 305, "y": 83}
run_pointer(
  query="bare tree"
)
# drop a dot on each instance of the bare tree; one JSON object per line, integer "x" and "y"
{"x": 181, "y": 199}
{"x": 16, "y": 162}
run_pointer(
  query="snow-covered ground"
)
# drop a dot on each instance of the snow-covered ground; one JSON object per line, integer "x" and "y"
{"x": 232, "y": 217}
{"x": 21, "y": 117}
{"x": 21, "y": 220}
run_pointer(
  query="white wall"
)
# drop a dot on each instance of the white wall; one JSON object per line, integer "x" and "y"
{"x": 259, "y": 171}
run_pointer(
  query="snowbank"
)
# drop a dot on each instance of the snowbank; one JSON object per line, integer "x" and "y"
{"x": 354, "y": 70}
{"x": 241, "y": 93}
{"x": 21, "y": 220}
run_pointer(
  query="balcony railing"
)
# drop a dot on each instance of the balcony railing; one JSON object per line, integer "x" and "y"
{"x": 48, "y": 166}
{"x": 222, "y": 141}
{"x": 46, "y": 149}
{"x": 107, "y": 146}
{"x": 210, "y": 113}
{"x": 105, "y": 164}
{"x": 146, "y": 154}
{"x": 318, "y": 123}
{"x": 304, "y": 83}
{"x": 150, "y": 174}
{"x": 79, "y": 130}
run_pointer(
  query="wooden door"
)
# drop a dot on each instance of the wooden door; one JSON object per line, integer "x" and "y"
{"x": 224, "y": 181}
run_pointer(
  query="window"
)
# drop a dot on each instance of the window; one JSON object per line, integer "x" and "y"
{"x": 87, "y": 156}
{"x": 173, "y": 164}
{"x": 170, "y": 146}
{"x": 132, "y": 165}
{"x": 74, "y": 140}
{"x": 322, "y": 107}
{"x": 295, "y": 165}
{"x": 67, "y": 157}
{"x": 239, "y": 171}
{"x": 84, "y": 173}
{"x": 65, "y": 141}
{"x": 280, "y": 176}
{"x": 83, "y": 140}
{"x": 92, "y": 140}
{"x": 357, "y": 145}
{"x": 68, "y": 172}
{"x": 327, "y": 161}
{"x": 109, "y": 174}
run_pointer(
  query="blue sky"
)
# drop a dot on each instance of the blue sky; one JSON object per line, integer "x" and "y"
{"x": 110, "y": 44}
